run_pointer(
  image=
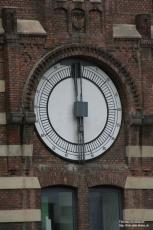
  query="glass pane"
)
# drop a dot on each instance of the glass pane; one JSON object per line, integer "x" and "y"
{"x": 110, "y": 211}
{"x": 95, "y": 210}
{"x": 44, "y": 207}
{"x": 57, "y": 209}
{"x": 105, "y": 210}
{"x": 65, "y": 207}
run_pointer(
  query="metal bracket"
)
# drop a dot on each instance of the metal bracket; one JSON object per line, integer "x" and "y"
{"x": 81, "y": 109}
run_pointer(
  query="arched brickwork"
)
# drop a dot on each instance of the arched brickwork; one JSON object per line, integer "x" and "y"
{"x": 101, "y": 57}
{"x": 112, "y": 179}
{"x": 57, "y": 178}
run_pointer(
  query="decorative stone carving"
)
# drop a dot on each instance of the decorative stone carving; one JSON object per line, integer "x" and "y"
{"x": 78, "y": 20}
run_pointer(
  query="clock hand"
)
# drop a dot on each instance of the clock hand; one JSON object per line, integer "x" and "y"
{"x": 81, "y": 121}
{"x": 74, "y": 69}
{"x": 75, "y": 81}
{"x": 80, "y": 109}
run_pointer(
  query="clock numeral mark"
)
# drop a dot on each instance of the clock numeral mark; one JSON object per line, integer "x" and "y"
{"x": 66, "y": 154}
{"x": 91, "y": 153}
{"x": 107, "y": 80}
{"x": 118, "y": 124}
{"x": 104, "y": 148}
{"x": 53, "y": 147}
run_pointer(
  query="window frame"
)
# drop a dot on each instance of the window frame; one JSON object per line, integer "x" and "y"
{"x": 56, "y": 189}
{"x": 105, "y": 188}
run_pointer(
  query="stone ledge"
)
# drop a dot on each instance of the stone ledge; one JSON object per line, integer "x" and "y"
{"x": 2, "y": 118}
{"x": 78, "y": 0}
{"x": 125, "y": 31}
{"x": 30, "y": 27}
{"x": 23, "y": 215}
{"x": 16, "y": 150}
{"x": 19, "y": 183}
{"x": 139, "y": 151}
{"x": 138, "y": 215}
{"x": 2, "y": 86}
{"x": 95, "y": 1}
{"x": 139, "y": 183}
{"x": 26, "y": 27}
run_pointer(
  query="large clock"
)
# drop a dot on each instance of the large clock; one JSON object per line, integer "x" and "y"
{"x": 78, "y": 110}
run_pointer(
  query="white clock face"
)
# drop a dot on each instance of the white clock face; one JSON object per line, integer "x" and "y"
{"x": 78, "y": 110}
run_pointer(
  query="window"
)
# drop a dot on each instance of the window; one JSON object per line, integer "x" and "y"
{"x": 105, "y": 208}
{"x": 58, "y": 209}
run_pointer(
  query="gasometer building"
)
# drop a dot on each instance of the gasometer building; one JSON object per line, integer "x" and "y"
{"x": 76, "y": 115}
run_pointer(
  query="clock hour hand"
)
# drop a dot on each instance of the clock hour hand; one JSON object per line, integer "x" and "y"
{"x": 80, "y": 108}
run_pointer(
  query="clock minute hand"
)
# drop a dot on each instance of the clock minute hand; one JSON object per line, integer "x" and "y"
{"x": 80, "y": 108}
{"x": 74, "y": 73}
{"x": 74, "y": 76}
{"x": 81, "y": 120}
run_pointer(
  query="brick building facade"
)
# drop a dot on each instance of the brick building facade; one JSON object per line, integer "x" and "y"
{"x": 116, "y": 36}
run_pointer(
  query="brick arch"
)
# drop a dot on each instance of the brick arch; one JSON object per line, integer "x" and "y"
{"x": 57, "y": 178}
{"x": 109, "y": 179}
{"x": 100, "y": 56}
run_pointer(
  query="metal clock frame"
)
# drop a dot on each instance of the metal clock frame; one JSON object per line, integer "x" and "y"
{"x": 102, "y": 142}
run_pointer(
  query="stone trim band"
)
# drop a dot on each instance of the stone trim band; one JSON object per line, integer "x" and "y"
{"x": 2, "y": 118}
{"x": 2, "y": 86}
{"x": 89, "y": 1}
{"x": 138, "y": 215}
{"x": 25, "y": 215}
{"x": 16, "y": 150}
{"x": 19, "y": 183}
{"x": 33, "y": 183}
{"x": 139, "y": 183}
{"x": 139, "y": 151}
